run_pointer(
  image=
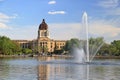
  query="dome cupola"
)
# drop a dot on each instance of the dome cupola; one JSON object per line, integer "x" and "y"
{"x": 43, "y": 25}
{"x": 43, "y": 30}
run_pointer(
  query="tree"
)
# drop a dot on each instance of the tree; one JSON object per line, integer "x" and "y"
{"x": 95, "y": 44}
{"x": 70, "y": 44}
{"x": 95, "y": 41}
{"x": 113, "y": 50}
{"x": 8, "y": 47}
{"x": 104, "y": 50}
{"x": 26, "y": 50}
{"x": 115, "y": 47}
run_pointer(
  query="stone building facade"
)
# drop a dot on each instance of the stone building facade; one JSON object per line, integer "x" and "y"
{"x": 43, "y": 43}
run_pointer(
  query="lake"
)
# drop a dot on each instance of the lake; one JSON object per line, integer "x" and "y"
{"x": 58, "y": 68}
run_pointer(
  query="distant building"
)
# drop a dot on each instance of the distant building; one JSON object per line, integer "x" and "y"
{"x": 43, "y": 43}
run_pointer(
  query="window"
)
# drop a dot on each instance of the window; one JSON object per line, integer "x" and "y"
{"x": 45, "y": 33}
{"x": 42, "y": 33}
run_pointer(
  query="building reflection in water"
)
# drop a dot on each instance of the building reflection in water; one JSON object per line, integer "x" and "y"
{"x": 61, "y": 71}
{"x": 42, "y": 72}
{"x": 48, "y": 71}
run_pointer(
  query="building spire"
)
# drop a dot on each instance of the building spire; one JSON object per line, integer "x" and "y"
{"x": 43, "y": 20}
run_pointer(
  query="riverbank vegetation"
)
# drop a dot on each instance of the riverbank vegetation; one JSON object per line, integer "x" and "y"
{"x": 112, "y": 49}
{"x": 9, "y": 47}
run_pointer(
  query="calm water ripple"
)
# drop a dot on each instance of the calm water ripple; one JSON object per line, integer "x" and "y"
{"x": 50, "y": 68}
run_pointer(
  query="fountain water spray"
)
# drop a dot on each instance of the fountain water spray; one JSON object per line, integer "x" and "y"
{"x": 85, "y": 24}
{"x": 88, "y": 46}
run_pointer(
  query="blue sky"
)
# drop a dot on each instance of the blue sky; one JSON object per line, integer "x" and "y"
{"x": 19, "y": 19}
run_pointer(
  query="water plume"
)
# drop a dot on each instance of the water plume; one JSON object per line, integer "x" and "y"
{"x": 88, "y": 47}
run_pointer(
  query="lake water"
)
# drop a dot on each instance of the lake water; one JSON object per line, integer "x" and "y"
{"x": 51, "y": 68}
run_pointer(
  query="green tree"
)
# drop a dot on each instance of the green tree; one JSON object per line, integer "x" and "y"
{"x": 95, "y": 41}
{"x": 26, "y": 51}
{"x": 95, "y": 44}
{"x": 104, "y": 50}
{"x": 113, "y": 51}
{"x": 8, "y": 47}
{"x": 74, "y": 42}
{"x": 116, "y": 47}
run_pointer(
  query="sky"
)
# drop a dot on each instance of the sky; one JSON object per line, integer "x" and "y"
{"x": 20, "y": 19}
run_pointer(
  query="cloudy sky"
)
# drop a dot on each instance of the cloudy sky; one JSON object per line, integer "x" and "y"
{"x": 20, "y": 19}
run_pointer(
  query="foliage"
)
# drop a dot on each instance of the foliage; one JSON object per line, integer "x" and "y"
{"x": 45, "y": 49}
{"x": 40, "y": 49}
{"x": 116, "y": 47}
{"x": 104, "y": 50}
{"x": 97, "y": 40}
{"x": 8, "y": 47}
{"x": 74, "y": 42}
{"x": 93, "y": 43}
{"x": 58, "y": 51}
{"x": 112, "y": 49}
{"x": 26, "y": 50}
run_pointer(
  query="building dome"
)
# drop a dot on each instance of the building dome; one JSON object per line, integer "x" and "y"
{"x": 43, "y": 25}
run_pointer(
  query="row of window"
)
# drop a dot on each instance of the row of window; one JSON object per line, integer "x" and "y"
{"x": 60, "y": 43}
{"x": 25, "y": 45}
{"x": 43, "y": 42}
{"x": 52, "y": 43}
{"x": 59, "y": 47}
{"x": 43, "y": 33}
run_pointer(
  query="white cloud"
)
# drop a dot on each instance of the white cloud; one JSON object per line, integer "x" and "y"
{"x": 56, "y": 12}
{"x": 3, "y": 26}
{"x": 104, "y": 30}
{"x": 108, "y": 3}
{"x": 52, "y": 2}
{"x": 4, "y": 16}
{"x": 111, "y": 7}
{"x": 26, "y": 32}
{"x": 4, "y": 19}
{"x": 73, "y": 30}
{"x": 64, "y": 31}
{"x": 115, "y": 11}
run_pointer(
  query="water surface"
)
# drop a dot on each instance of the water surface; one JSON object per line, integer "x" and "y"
{"x": 52, "y": 68}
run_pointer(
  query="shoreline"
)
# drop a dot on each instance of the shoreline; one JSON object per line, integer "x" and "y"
{"x": 107, "y": 57}
{"x": 64, "y": 56}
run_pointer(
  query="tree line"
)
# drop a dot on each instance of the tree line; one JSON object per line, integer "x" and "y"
{"x": 112, "y": 49}
{"x": 104, "y": 49}
{"x": 9, "y": 47}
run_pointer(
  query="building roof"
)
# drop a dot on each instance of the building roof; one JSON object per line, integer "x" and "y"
{"x": 43, "y": 25}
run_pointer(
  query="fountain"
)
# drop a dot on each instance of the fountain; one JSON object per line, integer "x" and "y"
{"x": 87, "y": 48}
